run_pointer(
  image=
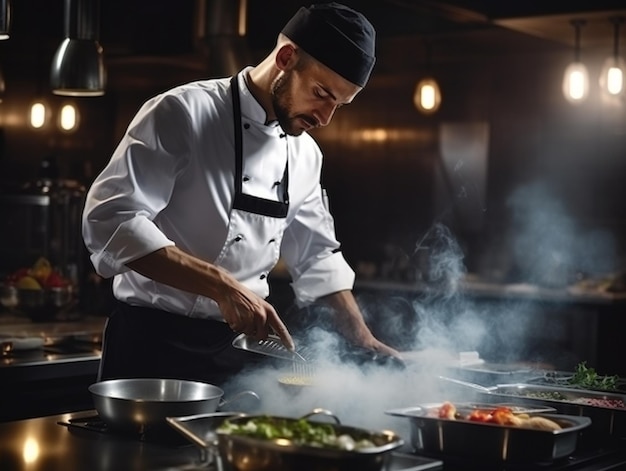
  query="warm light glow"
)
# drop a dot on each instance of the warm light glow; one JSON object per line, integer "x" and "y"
{"x": 612, "y": 76}
{"x": 38, "y": 115}
{"x": 68, "y": 119}
{"x": 30, "y": 450}
{"x": 427, "y": 97}
{"x": 615, "y": 82}
{"x": 576, "y": 82}
{"x": 377, "y": 135}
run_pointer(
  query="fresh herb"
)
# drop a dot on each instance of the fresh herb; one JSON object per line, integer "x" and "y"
{"x": 587, "y": 378}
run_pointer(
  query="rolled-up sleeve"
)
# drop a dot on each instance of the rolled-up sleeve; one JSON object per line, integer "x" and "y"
{"x": 312, "y": 253}
{"x": 123, "y": 201}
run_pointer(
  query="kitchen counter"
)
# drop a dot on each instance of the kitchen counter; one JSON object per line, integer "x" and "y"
{"x": 476, "y": 287}
{"x": 47, "y": 365}
{"x": 42, "y": 443}
{"x": 45, "y": 444}
{"x": 34, "y": 350}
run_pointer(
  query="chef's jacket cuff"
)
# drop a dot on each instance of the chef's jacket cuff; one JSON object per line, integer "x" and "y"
{"x": 132, "y": 239}
{"x": 325, "y": 277}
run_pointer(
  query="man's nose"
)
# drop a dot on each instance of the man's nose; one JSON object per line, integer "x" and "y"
{"x": 326, "y": 114}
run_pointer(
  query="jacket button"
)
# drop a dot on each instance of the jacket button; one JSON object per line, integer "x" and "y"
{"x": 272, "y": 241}
{"x": 263, "y": 276}
{"x": 246, "y": 178}
{"x": 239, "y": 237}
{"x": 246, "y": 126}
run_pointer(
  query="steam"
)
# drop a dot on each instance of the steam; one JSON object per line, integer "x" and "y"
{"x": 432, "y": 325}
{"x": 550, "y": 248}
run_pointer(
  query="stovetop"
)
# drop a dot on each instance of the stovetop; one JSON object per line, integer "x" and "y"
{"x": 606, "y": 456}
{"x": 94, "y": 426}
{"x": 164, "y": 436}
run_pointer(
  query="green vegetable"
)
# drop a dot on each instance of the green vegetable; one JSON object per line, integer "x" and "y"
{"x": 588, "y": 378}
{"x": 300, "y": 432}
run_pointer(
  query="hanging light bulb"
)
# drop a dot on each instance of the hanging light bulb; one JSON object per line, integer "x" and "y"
{"x": 427, "y": 95}
{"x": 612, "y": 76}
{"x": 38, "y": 114}
{"x": 68, "y": 118}
{"x": 576, "y": 78}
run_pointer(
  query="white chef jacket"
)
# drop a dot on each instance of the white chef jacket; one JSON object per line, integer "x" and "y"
{"x": 170, "y": 181}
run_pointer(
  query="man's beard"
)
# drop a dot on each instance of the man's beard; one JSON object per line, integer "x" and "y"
{"x": 282, "y": 103}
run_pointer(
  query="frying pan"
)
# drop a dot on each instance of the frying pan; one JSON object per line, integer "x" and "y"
{"x": 141, "y": 403}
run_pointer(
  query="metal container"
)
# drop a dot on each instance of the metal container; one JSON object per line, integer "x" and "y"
{"x": 606, "y": 421}
{"x": 243, "y": 453}
{"x": 455, "y": 438}
{"x": 141, "y": 403}
{"x": 201, "y": 429}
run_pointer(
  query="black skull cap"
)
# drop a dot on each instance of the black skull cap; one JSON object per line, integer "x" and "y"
{"x": 338, "y": 37}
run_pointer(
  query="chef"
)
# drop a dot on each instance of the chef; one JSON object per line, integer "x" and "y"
{"x": 211, "y": 184}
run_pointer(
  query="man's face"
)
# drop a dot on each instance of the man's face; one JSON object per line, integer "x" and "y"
{"x": 307, "y": 98}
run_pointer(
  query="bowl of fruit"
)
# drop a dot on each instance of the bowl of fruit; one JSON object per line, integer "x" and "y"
{"x": 39, "y": 291}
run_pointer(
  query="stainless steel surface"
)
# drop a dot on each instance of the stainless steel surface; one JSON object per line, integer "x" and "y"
{"x": 606, "y": 421}
{"x": 201, "y": 429}
{"x": 42, "y": 445}
{"x": 283, "y": 455}
{"x": 491, "y": 442}
{"x": 467, "y": 384}
{"x": 139, "y": 403}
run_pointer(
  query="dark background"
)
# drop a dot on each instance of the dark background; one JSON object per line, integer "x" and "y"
{"x": 551, "y": 172}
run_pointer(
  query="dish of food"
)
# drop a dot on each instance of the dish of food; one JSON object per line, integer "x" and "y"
{"x": 300, "y": 432}
{"x": 492, "y": 433}
{"x": 261, "y": 443}
{"x": 500, "y": 415}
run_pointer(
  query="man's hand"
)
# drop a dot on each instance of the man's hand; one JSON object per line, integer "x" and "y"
{"x": 242, "y": 308}
{"x": 350, "y": 323}
{"x": 246, "y": 312}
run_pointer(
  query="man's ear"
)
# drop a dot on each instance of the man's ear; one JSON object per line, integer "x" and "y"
{"x": 286, "y": 57}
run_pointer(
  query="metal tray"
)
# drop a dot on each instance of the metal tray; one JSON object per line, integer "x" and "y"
{"x": 452, "y": 438}
{"x": 494, "y": 373}
{"x": 606, "y": 421}
{"x": 201, "y": 429}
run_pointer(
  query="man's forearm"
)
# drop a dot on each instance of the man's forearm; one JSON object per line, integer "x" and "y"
{"x": 173, "y": 267}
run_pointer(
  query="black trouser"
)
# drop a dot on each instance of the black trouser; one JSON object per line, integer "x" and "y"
{"x": 143, "y": 342}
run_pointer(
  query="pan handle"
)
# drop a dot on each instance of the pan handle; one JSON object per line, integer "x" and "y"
{"x": 237, "y": 396}
{"x": 467, "y": 384}
{"x": 319, "y": 411}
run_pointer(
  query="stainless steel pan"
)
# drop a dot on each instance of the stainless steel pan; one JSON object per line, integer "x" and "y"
{"x": 455, "y": 438}
{"x": 608, "y": 418}
{"x": 141, "y": 403}
{"x": 240, "y": 452}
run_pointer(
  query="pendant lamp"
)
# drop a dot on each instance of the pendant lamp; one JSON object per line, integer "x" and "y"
{"x": 576, "y": 78}
{"x": 427, "y": 95}
{"x": 78, "y": 65}
{"x": 5, "y": 19}
{"x": 612, "y": 76}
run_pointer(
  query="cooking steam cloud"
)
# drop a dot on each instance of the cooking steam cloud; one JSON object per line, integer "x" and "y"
{"x": 432, "y": 326}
